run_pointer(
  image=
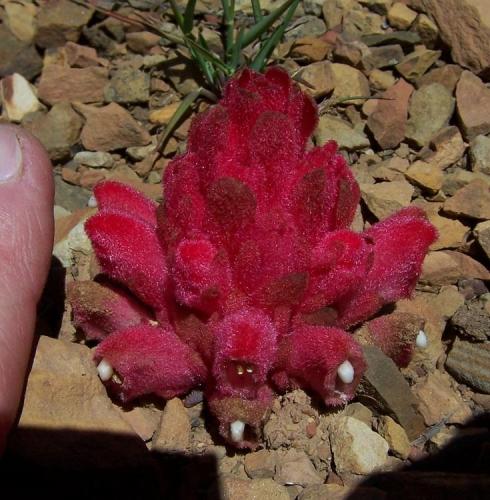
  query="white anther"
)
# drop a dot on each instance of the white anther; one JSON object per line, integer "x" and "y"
{"x": 236, "y": 430}
{"x": 92, "y": 202}
{"x": 105, "y": 370}
{"x": 346, "y": 372}
{"x": 249, "y": 369}
{"x": 421, "y": 340}
{"x": 239, "y": 369}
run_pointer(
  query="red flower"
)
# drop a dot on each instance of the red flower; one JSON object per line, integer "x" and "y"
{"x": 251, "y": 242}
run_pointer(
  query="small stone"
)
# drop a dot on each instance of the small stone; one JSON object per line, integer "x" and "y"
{"x": 439, "y": 402}
{"x": 381, "y": 80}
{"x": 260, "y": 464}
{"x": 335, "y": 10}
{"x": 400, "y": 16}
{"x": 473, "y": 103}
{"x": 378, "y": 6}
{"x": 142, "y": 41}
{"x": 174, "y": 431}
{"x": 64, "y": 394}
{"x": 446, "y": 148}
{"x": 17, "y": 56}
{"x": 431, "y": 108}
{"x": 467, "y": 33}
{"x": 333, "y": 128}
{"x": 447, "y": 75}
{"x": 18, "y": 97}
{"x": 395, "y": 436}
{"x": 414, "y": 65}
{"x": 347, "y": 52}
{"x": 386, "y": 198}
{"x": 472, "y": 201}
{"x": 21, "y": 20}
{"x": 306, "y": 26}
{"x": 163, "y": 115}
{"x": 94, "y": 159}
{"x": 253, "y": 489}
{"x": 294, "y": 467}
{"x": 143, "y": 420}
{"x": 58, "y": 130}
{"x": 128, "y": 85}
{"x": 349, "y": 82}
{"x": 384, "y": 383}
{"x": 111, "y": 127}
{"x": 360, "y": 412}
{"x": 389, "y": 118}
{"x": 59, "y": 83}
{"x": 452, "y": 234}
{"x": 81, "y": 56}
{"x": 406, "y": 39}
{"x": 427, "y": 29}
{"x": 75, "y": 241}
{"x": 359, "y": 22}
{"x": 480, "y": 154}
{"x": 425, "y": 175}
{"x": 470, "y": 363}
{"x": 459, "y": 178}
{"x": 311, "y": 48}
{"x": 356, "y": 448}
{"x": 472, "y": 321}
{"x": 384, "y": 56}
{"x": 318, "y": 78}
{"x": 448, "y": 266}
{"x": 59, "y": 22}
{"x": 482, "y": 233}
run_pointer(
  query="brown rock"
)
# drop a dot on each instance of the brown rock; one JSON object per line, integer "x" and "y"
{"x": 425, "y": 175}
{"x": 81, "y": 56}
{"x": 482, "y": 233}
{"x": 469, "y": 363}
{"x": 356, "y": 448}
{"x": 386, "y": 198}
{"x": 294, "y": 467}
{"x": 388, "y": 120}
{"x": 64, "y": 401}
{"x": 260, "y": 464}
{"x": 400, "y": 16}
{"x": 318, "y": 78}
{"x": 59, "y": 83}
{"x": 59, "y": 21}
{"x": 383, "y": 383}
{"x": 445, "y": 148}
{"x": 163, "y": 115}
{"x": 472, "y": 201}
{"x": 472, "y": 321}
{"x": 395, "y": 436}
{"x": 381, "y": 80}
{"x": 18, "y": 97}
{"x": 142, "y": 41}
{"x": 473, "y": 104}
{"x": 253, "y": 489}
{"x": 467, "y": 33}
{"x": 21, "y": 20}
{"x": 359, "y": 411}
{"x": 439, "y": 402}
{"x": 143, "y": 420}
{"x": 174, "y": 431}
{"x": 58, "y": 130}
{"x": 447, "y": 75}
{"x": 447, "y": 266}
{"x": 415, "y": 64}
{"x": 427, "y": 29}
{"x": 111, "y": 127}
{"x": 311, "y": 48}
{"x": 452, "y": 234}
{"x": 349, "y": 82}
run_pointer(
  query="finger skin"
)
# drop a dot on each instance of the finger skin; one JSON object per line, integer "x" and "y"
{"x": 26, "y": 239}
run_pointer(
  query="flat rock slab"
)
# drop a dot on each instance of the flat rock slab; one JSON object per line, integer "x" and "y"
{"x": 384, "y": 382}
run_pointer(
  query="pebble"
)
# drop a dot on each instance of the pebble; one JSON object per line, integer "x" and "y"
{"x": 472, "y": 322}
{"x": 260, "y": 464}
{"x": 400, "y": 16}
{"x": 355, "y": 447}
{"x": 253, "y": 489}
{"x": 386, "y": 198}
{"x": 349, "y": 82}
{"x": 18, "y": 97}
{"x": 482, "y": 233}
{"x": 415, "y": 64}
{"x": 472, "y": 200}
{"x": 173, "y": 432}
{"x": 128, "y": 86}
{"x": 395, "y": 436}
{"x": 473, "y": 104}
{"x": 480, "y": 154}
{"x": 333, "y": 128}
{"x": 295, "y": 468}
{"x": 318, "y": 77}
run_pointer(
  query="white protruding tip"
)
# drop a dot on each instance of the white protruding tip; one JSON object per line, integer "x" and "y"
{"x": 105, "y": 371}
{"x": 92, "y": 202}
{"x": 421, "y": 340}
{"x": 346, "y": 372}
{"x": 236, "y": 430}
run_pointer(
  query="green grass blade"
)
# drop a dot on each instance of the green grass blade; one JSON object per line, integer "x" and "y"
{"x": 177, "y": 14}
{"x": 189, "y": 16}
{"x": 207, "y": 55}
{"x": 235, "y": 56}
{"x": 257, "y": 10}
{"x": 265, "y": 23}
{"x": 229, "y": 21}
{"x": 260, "y": 60}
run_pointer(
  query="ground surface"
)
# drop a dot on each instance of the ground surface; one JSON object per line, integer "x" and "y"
{"x": 100, "y": 93}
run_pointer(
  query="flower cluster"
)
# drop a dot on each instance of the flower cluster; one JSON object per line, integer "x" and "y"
{"x": 246, "y": 279}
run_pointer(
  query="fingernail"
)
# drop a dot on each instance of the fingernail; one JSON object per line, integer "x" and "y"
{"x": 10, "y": 155}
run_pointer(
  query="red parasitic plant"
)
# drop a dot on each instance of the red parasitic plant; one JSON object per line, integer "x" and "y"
{"x": 245, "y": 279}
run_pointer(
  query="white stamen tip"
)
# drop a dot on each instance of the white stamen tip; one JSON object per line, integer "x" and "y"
{"x": 105, "y": 370}
{"x": 421, "y": 340}
{"x": 346, "y": 372}
{"x": 92, "y": 202}
{"x": 236, "y": 430}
